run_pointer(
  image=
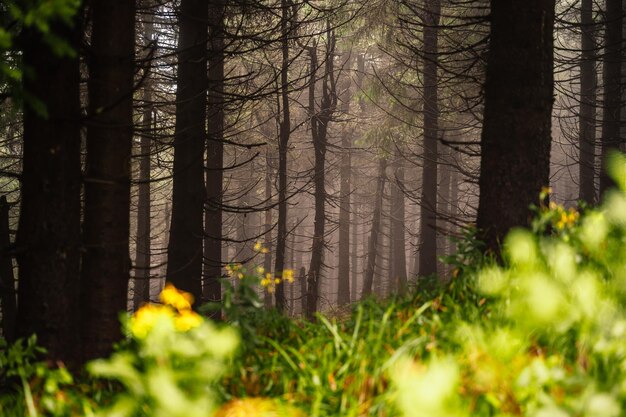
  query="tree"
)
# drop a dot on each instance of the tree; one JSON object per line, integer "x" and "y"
{"x": 612, "y": 86}
{"x": 184, "y": 252}
{"x": 587, "y": 114}
{"x": 48, "y": 238}
{"x": 428, "y": 218}
{"x": 283, "y": 143}
{"x": 516, "y": 136}
{"x": 215, "y": 158}
{"x": 106, "y": 227}
{"x": 144, "y": 233}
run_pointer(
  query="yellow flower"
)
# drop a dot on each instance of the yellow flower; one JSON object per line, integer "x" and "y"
{"x": 277, "y": 281}
{"x": 231, "y": 269}
{"x": 258, "y": 246}
{"x": 180, "y": 300}
{"x": 186, "y": 320}
{"x": 265, "y": 282}
{"x": 260, "y": 270}
{"x": 288, "y": 275}
{"x": 146, "y": 317}
{"x": 553, "y": 205}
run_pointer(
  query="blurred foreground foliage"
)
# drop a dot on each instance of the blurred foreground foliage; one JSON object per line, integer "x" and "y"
{"x": 542, "y": 333}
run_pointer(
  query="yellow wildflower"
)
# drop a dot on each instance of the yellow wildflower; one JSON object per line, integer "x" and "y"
{"x": 546, "y": 190}
{"x": 288, "y": 275}
{"x": 146, "y": 317}
{"x": 258, "y": 246}
{"x": 553, "y": 205}
{"x": 180, "y": 300}
{"x": 260, "y": 270}
{"x": 265, "y": 282}
{"x": 277, "y": 281}
{"x": 186, "y": 320}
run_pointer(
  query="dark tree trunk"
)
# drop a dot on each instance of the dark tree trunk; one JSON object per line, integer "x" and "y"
{"x": 143, "y": 250}
{"x": 370, "y": 266}
{"x": 612, "y": 70}
{"x": 587, "y": 113}
{"x": 428, "y": 219}
{"x": 212, "y": 289}
{"x": 184, "y": 252}
{"x": 106, "y": 261}
{"x": 283, "y": 143}
{"x": 7, "y": 280}
{"x": 515, "y": 157}
{"x": 343, "y": 296}
{"x": 48, "y": 238}
{"x": 319, "y": 130}
{"x": 398, "y": 248}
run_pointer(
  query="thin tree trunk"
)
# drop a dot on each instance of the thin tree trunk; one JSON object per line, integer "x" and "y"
{"x": 428, "y": 219}
{"x": 443, "y": 211}
{"x": 144, "y": 233}
{"x": 612, "y": 86}
{"x": 516, "y": 137}
{"x": 368, "y": 279}
{"x": 267, "y": 237}
{"x": 398, "y": 248}
{"x": 283, "y": 142}
{"x": 343, "y": 290}
{"x": 319, "y": 131}
{"x": 106, "y": 227}
{"x": 587, "y": 113}
{"x": 354, "y": 255}
{"x": 7, "y": 280}
{"x": 184, "y": 252}
{"x": 212, "y": 262}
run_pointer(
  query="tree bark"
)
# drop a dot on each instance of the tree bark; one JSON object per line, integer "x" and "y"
{"x": 612, "y": 73}
{"x": 516, "y": 136}
{"x": 343, "y": 291}
{"x": 587, "y": 113}
{"x": 106, "y": 261}
{"x": 398, "y": 248}
{"x": 319, "y": 131}
{"x": 428, "y": 219}
{"x": 283, "y": 143}
{"x": 144, "y": 233}
{"x": 48, "y": 237}
{"x": 8, "y": 297}
{"x": 184, "y": 252}
{"x": 212, "y": 288}
{"x": 368, "y": 279}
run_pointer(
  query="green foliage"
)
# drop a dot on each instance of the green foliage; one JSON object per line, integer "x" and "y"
{"x": 542, "y": 334}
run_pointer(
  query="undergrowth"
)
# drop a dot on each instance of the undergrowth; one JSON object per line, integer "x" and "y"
{"x": 542, "y": 333}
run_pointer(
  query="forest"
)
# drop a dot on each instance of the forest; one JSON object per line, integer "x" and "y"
{"x": 312, "y": 208}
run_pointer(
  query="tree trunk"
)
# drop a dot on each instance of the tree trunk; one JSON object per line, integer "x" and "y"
{"x": 283, "y": 143}
{"x": 48, "y": 237}
{"x": 267, "y": 236}
{"x": 368, "y": 279}
{"x": 144, "y": 233}
{"x": 515, "y": 148}
{"x": 443, "y": 210}
{"x": 343, "y": 291}
{"x": 612, "y": 70}
{"x": 428, "y": 219}
{"x": 106, "y": 227}
{"x": 587, "y": 113}
{"x": 398, "y": 248}
{"x": 184, "y": 252}
{"x": 212, "y": 288}
{"x": 355, "y": 256}
{"x": 7, "y": 280}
